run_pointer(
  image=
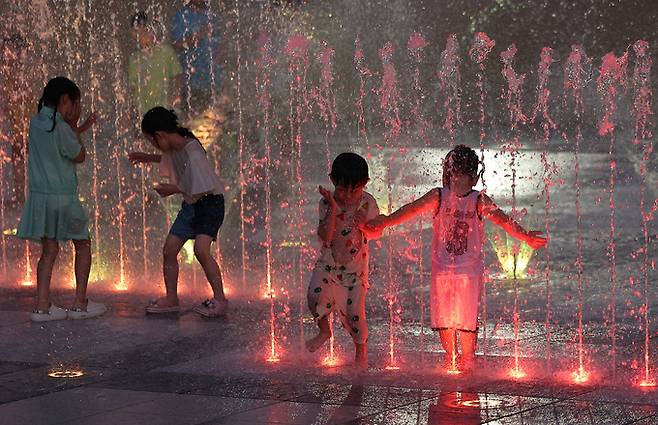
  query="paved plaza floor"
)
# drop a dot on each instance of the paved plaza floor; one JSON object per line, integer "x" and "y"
{"x": 182, "y": 369}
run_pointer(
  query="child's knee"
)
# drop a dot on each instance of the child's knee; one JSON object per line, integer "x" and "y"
{"x": 49, "y": 251}
{"x": 202, "y": 256}
{"x": 82, "y": 246}
{"x": 169, "y": 254}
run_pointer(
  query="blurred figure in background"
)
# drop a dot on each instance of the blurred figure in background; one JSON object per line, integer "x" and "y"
{"x": 154, "y": 72}
{"x": 195, "y": 35}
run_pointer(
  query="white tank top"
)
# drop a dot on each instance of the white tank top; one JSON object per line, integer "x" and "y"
{"x": 458, "y": 244}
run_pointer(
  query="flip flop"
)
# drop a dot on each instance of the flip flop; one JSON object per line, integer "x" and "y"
{"x": 160, "y": 306}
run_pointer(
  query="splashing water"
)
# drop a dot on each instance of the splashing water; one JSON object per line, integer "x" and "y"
{"x": 263, "y": 82}
{"x": 513, "y": 97}
{"x": 612, "y": 76}
{"x": 479, "y": 52}
{"x": 364, "y": 73}
{"x": 389, "y": 96}
{"x": 642, "y": 95}
{"x": 450, "y": 84}
{"x": 575, "y": 78}
{"x": 542, "y": 107}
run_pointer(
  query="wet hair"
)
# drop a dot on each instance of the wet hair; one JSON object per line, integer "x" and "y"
{"x": 139, "y": 19}
{"x": 349, "y": 170}
{"x": 464, "y": 160}
{"x": 163, "y": 119}
{"x": 54, "y": 90}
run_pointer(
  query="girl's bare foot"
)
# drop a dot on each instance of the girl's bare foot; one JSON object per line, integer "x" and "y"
{"x": 317, "y": 341}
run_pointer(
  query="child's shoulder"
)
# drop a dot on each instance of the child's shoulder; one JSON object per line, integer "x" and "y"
{"x": 368, "y": 198}
{"x": 367, "y": 195}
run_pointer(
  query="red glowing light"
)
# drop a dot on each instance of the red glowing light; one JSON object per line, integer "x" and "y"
{"x": 647, "y": 383}
{"x": 580, "y": 376}
{"x": 121, "y": 287}
{"x": 273, "y": 359}
{"x": 517, "y": 373}
{"x": 27, "y": 283}
{"x": 392, "y": 367}
{"x": 330, "y": 361}
{"x": 266, "y": 295}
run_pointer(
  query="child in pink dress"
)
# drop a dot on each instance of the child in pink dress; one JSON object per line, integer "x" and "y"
{"x": 458, "y": 248}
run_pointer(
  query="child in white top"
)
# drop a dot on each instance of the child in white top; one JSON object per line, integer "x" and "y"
{"x": 458, "y": 248}
{"x": 340, "y": 277}
{"x": 184, "y": 164}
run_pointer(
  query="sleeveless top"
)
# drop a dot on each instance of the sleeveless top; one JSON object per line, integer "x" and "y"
{"x": 458, "y": 244}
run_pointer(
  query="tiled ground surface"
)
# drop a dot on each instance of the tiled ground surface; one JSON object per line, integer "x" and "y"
{"x": 181, "y": 369}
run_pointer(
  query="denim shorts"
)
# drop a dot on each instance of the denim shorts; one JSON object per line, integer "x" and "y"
{"x": 204, "y": 217}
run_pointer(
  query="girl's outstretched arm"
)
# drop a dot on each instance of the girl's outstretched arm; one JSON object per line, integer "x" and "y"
{"x": 490, "y": 210}
{"x": 428, "y": 202}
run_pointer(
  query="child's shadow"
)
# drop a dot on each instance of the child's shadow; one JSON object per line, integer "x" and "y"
{"x": 349, "y": 407}
{"x": 455, "y": 408}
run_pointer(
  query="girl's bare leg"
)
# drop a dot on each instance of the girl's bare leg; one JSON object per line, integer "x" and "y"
{"x": 361, "y": 357}
{"x": 82, "y": 269}
{"x": 172, "y": 247}
{"x": 210, "y": 267}
{"x": 449, "y": 342}
{"x": 49, "y": 251}
{"x": 469, "y": 340}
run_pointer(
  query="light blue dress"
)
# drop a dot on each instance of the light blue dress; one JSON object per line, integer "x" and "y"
{"x": 52, "y": 209}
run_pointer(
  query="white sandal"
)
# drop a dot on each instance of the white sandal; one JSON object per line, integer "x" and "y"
{"x": 53, "y": 313}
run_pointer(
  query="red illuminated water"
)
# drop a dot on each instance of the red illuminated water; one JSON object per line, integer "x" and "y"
{"x": 513, "y": 96}
{"x": 612, "y": 78}
{"x": 547, "y": 123}
{"x": 575, "y": 79}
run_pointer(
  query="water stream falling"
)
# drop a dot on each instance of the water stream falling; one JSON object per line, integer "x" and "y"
{"x": 576, "y": 76}
{"x": 479, "y": 52}
{"x": 642, "y": 135}
{"x": 307, "y": 82}
{"x": 612, "y": 77}
{"x": 547, "y": 124}
{"x": 513, "y": 98}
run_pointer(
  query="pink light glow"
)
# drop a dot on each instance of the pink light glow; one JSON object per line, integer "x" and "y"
{"x": 417, "y": 42}
{"x": 580, "y": 376}
{"x": 517, "y": 373}
{"x": 331, "y": 360}
{"x": 647, "y": 383}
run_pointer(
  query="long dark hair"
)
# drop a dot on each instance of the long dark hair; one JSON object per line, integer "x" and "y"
{"x": 163, "y": 119}
{"x": 54, "y": 90}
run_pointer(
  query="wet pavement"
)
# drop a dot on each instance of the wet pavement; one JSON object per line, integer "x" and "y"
{"x": 182, "y": 369}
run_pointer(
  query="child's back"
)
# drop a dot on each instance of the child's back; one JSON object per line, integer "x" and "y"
{"x": 50, "y": 166}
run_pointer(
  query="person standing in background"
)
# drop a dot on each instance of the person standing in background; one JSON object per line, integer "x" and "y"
{"x": 195, "y": 35}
